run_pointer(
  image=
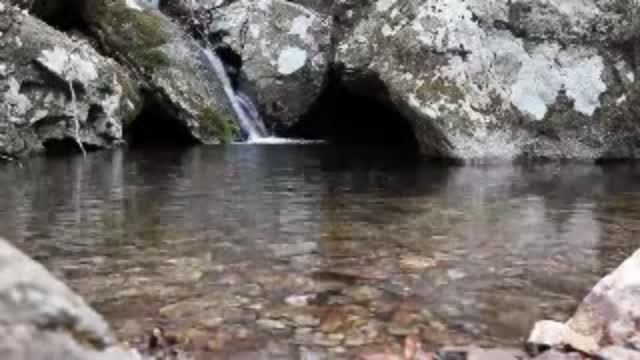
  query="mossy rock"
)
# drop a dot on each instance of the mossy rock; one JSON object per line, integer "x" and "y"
{"x": 221, "y": 126}
{"x": 134, "y": 33}
{"x": 440, "y": 88}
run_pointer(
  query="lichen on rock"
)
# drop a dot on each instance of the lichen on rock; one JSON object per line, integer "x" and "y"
{"x": 489, "y": 74}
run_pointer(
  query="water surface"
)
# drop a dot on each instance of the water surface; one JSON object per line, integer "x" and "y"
{"x": 321, "y": 247}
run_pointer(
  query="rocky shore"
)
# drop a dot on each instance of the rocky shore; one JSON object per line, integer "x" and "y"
{"x": 42, "y": 319}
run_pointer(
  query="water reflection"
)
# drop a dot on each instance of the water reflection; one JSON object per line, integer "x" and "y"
{"x": 486, "y": 249}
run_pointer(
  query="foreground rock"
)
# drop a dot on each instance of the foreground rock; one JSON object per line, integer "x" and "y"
{"x": 503, "y": 79}
{"x": 284, "y": 49}
{"x": 50, "y": 83}
{"x": 606, "y": 323}
{"x": 40, "y": 318}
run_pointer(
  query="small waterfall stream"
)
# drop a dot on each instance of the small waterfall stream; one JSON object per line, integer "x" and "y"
{"x": 246, "y": 112}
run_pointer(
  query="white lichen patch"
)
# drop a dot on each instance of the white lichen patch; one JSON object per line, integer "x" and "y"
{"x": 550, "y": 70}
{"x": 68, "y": 65}
{"x": 300, "y": 27}
{"x": 291, "y": 59}
{"x": 387, "y": 30}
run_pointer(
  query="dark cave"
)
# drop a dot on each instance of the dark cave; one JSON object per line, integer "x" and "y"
{"x": 65, "y": 146}
{"x": 63, "y": 15}
{"x": 360, "y": 114}
{"x": 156, "y": 126}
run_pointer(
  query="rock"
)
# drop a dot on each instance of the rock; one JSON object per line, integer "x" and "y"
{"x": 333, "y": 319}
{"x": 285, "y": 52}
{"x": 476, "y": 353}
{"x": 305, "y": 320}
{"x": 38, "y": 108}
{"x": 174, "y": 71}
{"x": 363, "y": 294}
{"x": 607, "y": 316}
{"x": 271, "y": 324}
{"x": 329, "y": 340}
{"x": 610, "y": 313}
{"x": 300, "y": 300}
{"x": 502, "y": 79}
{"x": 41, "y": 318}
{"x": 618, "y": 353}
{"x": 559, "y": 355}
{"x": 555, "y": 334}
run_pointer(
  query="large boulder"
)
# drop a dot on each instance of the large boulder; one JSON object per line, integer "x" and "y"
{"x": 285, "y": 52}
{"x": 606, "y": 322}
{"x": 504, "y": 79}
{"x": 56, "y": 89}
{"x": 171, "y": 65}
{"x": 41, "y": 318}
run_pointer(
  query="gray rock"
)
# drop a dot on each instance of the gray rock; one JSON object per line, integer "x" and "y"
{"x": 555, "y": 334}
{"x": 503, "y": 79}
{"x": 477, "y": 353}
{"x": 285, "y": 50}
{"x": 37, "y": 106}
{"x": 559, "y": 355}
{"x": 606, "y": 317}
{"x": 618, "y": 353}
{"x": 609, "y": 313}
{"x": 40, "y": 318}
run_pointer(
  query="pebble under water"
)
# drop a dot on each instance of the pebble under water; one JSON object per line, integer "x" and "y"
{"x": 297, "y": 249}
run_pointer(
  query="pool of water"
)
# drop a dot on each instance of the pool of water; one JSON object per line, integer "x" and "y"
{"x": 318, "y": 247}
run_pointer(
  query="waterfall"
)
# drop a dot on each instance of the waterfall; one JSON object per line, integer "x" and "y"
{"x": 246, "y": 113}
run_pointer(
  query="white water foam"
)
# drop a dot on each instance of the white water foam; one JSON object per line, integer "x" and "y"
{"x": 272, "y": 140}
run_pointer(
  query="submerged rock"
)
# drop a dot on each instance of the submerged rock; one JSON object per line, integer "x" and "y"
{"x": 503, "y": 79}
{"x": 50, "y": 82}
{"x": 40, "y": 318}
{"x": 284, "y": 50}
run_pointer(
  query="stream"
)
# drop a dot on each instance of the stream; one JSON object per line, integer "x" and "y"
{"x": 314, "y": 247}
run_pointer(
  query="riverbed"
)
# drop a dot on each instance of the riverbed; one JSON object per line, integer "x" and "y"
{"x": 317, "y": 248}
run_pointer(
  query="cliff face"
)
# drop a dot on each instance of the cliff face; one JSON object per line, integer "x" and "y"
{"x": 476, "y": 80}
{"x": 505, "y": 79}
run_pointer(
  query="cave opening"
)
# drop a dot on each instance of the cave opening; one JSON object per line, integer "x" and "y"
{"x": 63, "y": 15}
{"x": 359, "y": 114}
{"x": 157, "y": 126}
{"x": 66, "y": 146}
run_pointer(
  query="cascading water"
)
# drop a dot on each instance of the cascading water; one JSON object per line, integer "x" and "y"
{"x": 246, "y": 113}
{"x": 252, "y": 111}
{"x": 245, "y": 110}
